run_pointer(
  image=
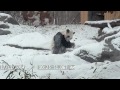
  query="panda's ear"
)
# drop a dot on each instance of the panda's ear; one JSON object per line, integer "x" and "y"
{"x": 73, "y": 32}
{"x": 67, "y": 31}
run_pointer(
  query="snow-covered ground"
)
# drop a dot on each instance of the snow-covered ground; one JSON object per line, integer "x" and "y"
{"x": 46, "y": 65}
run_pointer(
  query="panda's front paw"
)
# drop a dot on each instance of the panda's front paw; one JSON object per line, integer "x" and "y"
{"x": 73, "y": 45}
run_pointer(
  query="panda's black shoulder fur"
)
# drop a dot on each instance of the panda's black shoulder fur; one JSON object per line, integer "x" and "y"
{"x": 60, "y": 40}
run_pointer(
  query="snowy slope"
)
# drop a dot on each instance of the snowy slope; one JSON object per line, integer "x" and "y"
{"x": 104, "y": 70}
{"x": 30, "y": 39}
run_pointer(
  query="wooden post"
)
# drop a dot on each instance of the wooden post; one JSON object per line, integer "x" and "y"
{"x": 108, "y": 16}
{"x": 84, "y": 16}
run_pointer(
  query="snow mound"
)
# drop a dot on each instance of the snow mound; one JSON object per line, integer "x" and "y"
{"x": 5, "y": 15}
{"x": 90, "y": 52}
{"x": 107, "y": 30}
{"x": 30, "y": 40}
{"x": 116, "y": 43}
{"x": 80, "y": 43}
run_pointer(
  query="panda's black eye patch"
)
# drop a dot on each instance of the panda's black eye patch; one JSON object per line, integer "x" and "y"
{"x": 67, "y": 30}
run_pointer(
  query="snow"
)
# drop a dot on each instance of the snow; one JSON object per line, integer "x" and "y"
{"x": 110, "y": 30}
{"x": 47, "y": 65}
{"x": 30, "y": 40}
{"x": 46, "y": 21}
{"x": 104, "y": 70}
{"x": 5, "y": 15}
{"x": 94, "y": 49}
{"x": 25, "y": 57}
{"x": 37, "y": 20}
{"x": 80, "y": 43}
{"x": 36, "y": 23}
{"x": 116, "y": 43}
{"x": 1, "y": 22}
{"x": 109, "y": 25}
{"x": 115, "y": 35}
{"x": 107, "y": 30}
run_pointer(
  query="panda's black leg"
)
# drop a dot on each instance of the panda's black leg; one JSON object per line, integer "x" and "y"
{"x": 62, "y": 50}
{"x": 55, "y": 50}
{"x": 57, "y": 43}
{"x": 58, "y": 40}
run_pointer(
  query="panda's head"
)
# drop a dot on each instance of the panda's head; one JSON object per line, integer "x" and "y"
{"x": 68, "y": 35}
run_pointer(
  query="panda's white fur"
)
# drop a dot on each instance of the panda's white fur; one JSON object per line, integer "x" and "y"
{"x": 68, "y": 37}
{"x": 71, "y": 33}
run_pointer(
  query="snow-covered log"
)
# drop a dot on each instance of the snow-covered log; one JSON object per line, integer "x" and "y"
{"x": 103, "y": 24}
{"x": 102, "y": 37}
{"x": 20, "y": 47}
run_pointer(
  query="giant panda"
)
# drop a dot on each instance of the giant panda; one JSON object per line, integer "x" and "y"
{"x": 61, "y": 41}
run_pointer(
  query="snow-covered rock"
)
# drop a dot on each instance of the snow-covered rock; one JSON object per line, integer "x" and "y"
{"x": 4, "y": 32}
{"x": 4, "y": 26}
{"x": 6, "y": 18}
{"x": 90, "y": 52}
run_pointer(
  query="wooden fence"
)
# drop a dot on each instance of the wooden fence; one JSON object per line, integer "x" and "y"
{"x": 114, "y": 15}
{"x": 107, "y": 16}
